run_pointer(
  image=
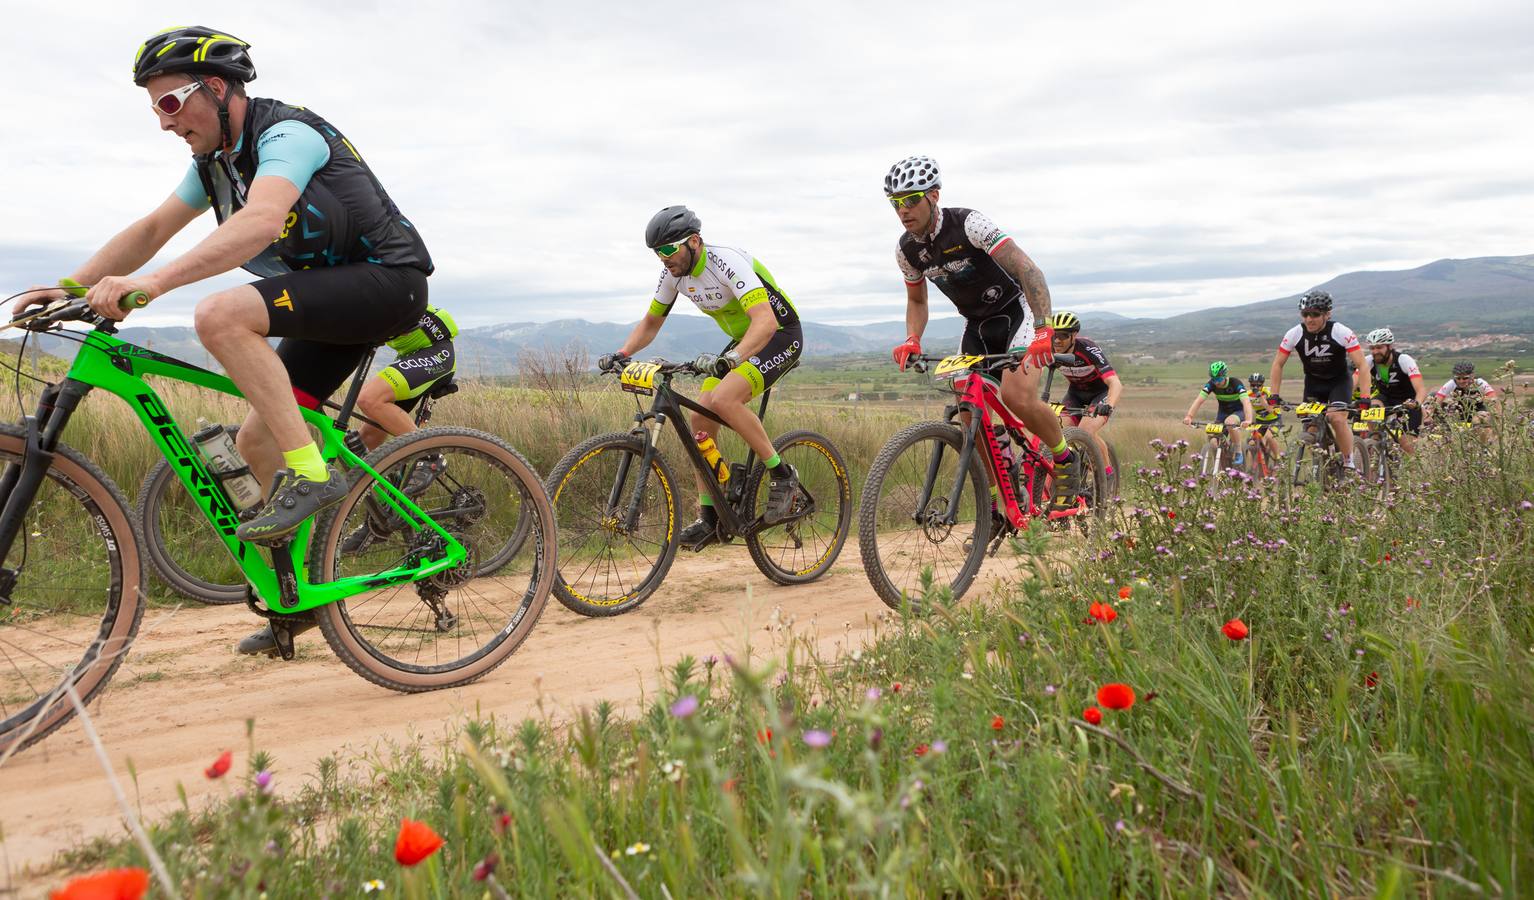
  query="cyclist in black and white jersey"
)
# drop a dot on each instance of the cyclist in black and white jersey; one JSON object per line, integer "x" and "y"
{"x": 1325, "y": 347}
{"x": 994, "y": 285}
{"x": 1465, "y": 395}
{"x": 1398, "y": 381}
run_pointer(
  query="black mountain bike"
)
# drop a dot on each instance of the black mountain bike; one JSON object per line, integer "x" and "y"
{"x": 186, "y": 554}
{"x": 617, "y": 502}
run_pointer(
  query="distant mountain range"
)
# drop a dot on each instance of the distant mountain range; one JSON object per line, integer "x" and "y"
{"x": 1452, "y": 304}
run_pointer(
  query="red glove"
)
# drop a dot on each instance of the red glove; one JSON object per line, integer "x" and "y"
{"x": 1042, "y": 351}
{"x": 903, "y": 353}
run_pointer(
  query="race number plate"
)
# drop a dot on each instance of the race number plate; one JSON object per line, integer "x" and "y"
{"x": 1310, "y": 409}
{"x": 950, "y": 366}
{"x": 1058, "y": 408}
{"x": 1360, "y": 426}
{"x": 1214, "y": 428}
{"x": 639, "y": 378}
{"x": 1373, "y": 414}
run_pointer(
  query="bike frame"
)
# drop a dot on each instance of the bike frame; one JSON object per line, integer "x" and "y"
{"x": 978, "y": 399}
{"x": 667, "y": 406}
{"x": 118, "y": 367}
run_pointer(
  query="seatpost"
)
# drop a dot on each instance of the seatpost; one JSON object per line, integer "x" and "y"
{"x": 358, "y": 378}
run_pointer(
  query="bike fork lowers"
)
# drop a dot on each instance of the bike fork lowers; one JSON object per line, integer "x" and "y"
{"x": 650, "y": 426}
{"x": 21, "y": 481}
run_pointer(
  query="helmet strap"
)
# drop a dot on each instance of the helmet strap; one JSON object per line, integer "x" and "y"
{"x": 226, "y": 140}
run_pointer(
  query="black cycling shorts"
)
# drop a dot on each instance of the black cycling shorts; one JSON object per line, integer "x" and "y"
{"x": 1414, "y": 421}
{"x": 412, "y": 374}
{"x": 330, "y": 318}
{"x": 1084, "y": 401}
{"x": 1226, "y": 410}
{"x": 1338, "y": 391}
{"x": 770, "y": 363}
{"x": 994, "y": 333}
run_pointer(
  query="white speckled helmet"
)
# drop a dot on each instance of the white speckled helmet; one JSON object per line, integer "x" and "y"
{"x": 914, "y": 173}
{"x": 1381, "y": 336}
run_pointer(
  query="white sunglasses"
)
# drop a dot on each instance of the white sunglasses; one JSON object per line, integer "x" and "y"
{"x": 173, "y": 101}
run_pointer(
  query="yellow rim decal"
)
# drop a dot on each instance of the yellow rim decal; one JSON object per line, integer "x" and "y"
{"x": 844, "y": 495}
{"x": 670, "y": 524}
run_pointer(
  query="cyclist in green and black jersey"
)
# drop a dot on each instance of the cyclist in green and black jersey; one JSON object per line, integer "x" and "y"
{"x": 1234, "y": 403}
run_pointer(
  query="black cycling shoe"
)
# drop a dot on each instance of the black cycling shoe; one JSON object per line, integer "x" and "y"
{"x": 293, "y": 500}
{"x": 700, "y": 533}
{"x": 1067, "y": 477}
{"x": 427, "y": 469}
{"x": 361, "y": 538}
{"x": 264, "y": 642}
{"x": 781, "y": 496}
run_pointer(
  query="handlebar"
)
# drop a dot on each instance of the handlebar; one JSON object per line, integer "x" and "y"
{"x": 666, "y": 368}
{"x": 74, "y": 310}
{"x": 1011, "y": 360}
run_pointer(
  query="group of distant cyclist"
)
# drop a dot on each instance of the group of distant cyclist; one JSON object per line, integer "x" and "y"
{"x": 1338, "y": 374}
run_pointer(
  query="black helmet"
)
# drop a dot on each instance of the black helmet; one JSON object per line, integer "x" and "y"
{"x": 1464, "y": 368}
{"x": 1316, "y": 300}
{"x": 195, "y": 50}
{"x": 1257, "y": 380}
{"x": 671, "y": 225}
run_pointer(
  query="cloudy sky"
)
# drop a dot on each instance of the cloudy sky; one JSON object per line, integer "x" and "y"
{"x": 1152, "y": 158}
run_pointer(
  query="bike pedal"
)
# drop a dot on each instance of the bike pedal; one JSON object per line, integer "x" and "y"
{"x": 704, "y": 544}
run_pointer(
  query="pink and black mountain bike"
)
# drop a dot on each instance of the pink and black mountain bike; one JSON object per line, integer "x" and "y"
{"x": 929, "y": 515}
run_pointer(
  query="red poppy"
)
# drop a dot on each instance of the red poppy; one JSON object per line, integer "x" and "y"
{"x": 486, "y": 867}
{"x": 1372, "y": 679}
{"x": 730, "y": 785}
{"x": 1093, "y": 715}
{"x": 1235, "y": 629}
{"x": 1171, "y": 515}
{"x": 1125, "y": 591}
{"x": 1102, "y": 612}
{"x": 764, "y": 736}
{"x": 416, "y": 841}
{"x": 220, "y": 766}
{"x": 895, "y": 687}
{"x": 502, "y": 821}
{"x": 115, "y": 884}
{"x": 1386, "y": 558}
{"x": 1411, "y": 603}
{"x": 921, "y": 749}
{"x": 1116, "y": 696}
{"x": 998, "y": 723}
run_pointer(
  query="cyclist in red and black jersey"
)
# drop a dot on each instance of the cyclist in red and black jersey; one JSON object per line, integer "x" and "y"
{"x": 1326, "y": 348}
{"x": 988, "y": 277}
{"x": 1093, "y": 383}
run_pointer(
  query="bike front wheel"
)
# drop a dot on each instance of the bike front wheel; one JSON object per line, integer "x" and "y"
{"x": 804, "y": 547}
{"x": 904, "y": 534}
{"x": 455, "y": 626}
{"x": 614, "y": 548}
{"x": 186, "y": 553}
{"x": 78, "y": 597}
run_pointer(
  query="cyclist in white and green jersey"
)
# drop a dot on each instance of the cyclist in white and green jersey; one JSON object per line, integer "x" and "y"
{"x": 766, "y": 340}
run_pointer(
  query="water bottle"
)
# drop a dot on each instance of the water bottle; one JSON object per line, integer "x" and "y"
{"x": 217, "y": 448}
{"x": 712, "y": 456}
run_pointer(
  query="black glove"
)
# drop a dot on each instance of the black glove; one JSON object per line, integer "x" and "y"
{"x": 609, "y": 362}
{"x": 1102, "y": 408}
{"x": 713, "y": 364}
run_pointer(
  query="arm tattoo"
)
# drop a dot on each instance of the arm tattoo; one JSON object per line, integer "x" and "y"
{"x": 1020, "y": 267}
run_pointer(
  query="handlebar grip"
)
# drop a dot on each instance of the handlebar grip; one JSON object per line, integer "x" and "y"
{"x": 134, "y": 300}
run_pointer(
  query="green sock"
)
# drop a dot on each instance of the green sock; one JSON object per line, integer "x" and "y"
{"x": 1059, "y": 450}
{"x": 777, "y": 459}
{"x": 705, "y": 499}
{"x": 306, "y": 462}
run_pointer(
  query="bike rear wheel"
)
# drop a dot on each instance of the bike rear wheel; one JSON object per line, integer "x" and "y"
{"x": 457, "y": 625}
{"x": 904, "y": 542}
{"x": 606, "y": 567}
{"x": 804, "y": 548}
{"x": 1094, "y": 479}
{"x": 78, "y": 598}
{"x": 186, "y": 553}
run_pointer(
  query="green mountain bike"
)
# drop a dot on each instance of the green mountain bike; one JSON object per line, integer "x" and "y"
{"x": 451, "y": 584}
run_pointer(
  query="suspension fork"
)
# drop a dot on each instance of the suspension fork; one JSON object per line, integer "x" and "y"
{"x": 649, "y": 424}
{"x": 21, "y": 482}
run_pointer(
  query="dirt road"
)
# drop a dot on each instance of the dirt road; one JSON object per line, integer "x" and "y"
{"x": 183, "y": 695}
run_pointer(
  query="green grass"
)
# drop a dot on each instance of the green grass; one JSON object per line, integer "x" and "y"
{"x": 1373, "y": 736}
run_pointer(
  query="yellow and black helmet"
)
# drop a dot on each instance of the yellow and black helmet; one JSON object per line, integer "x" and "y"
{"x": 195, "y": 50}
{"x": 1064, "y": 321}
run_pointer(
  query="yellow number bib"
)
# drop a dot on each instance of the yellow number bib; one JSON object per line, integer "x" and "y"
{"x": 1214, "y": 428}
{"x": 1311, "y": 409}
{"x": 1360, "y": 426}
{"x": 1059, "y": 408}
{"x": 1373, "y": 414}
{"x": 955, "y": 365}
{"x": 639, "y": 378}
